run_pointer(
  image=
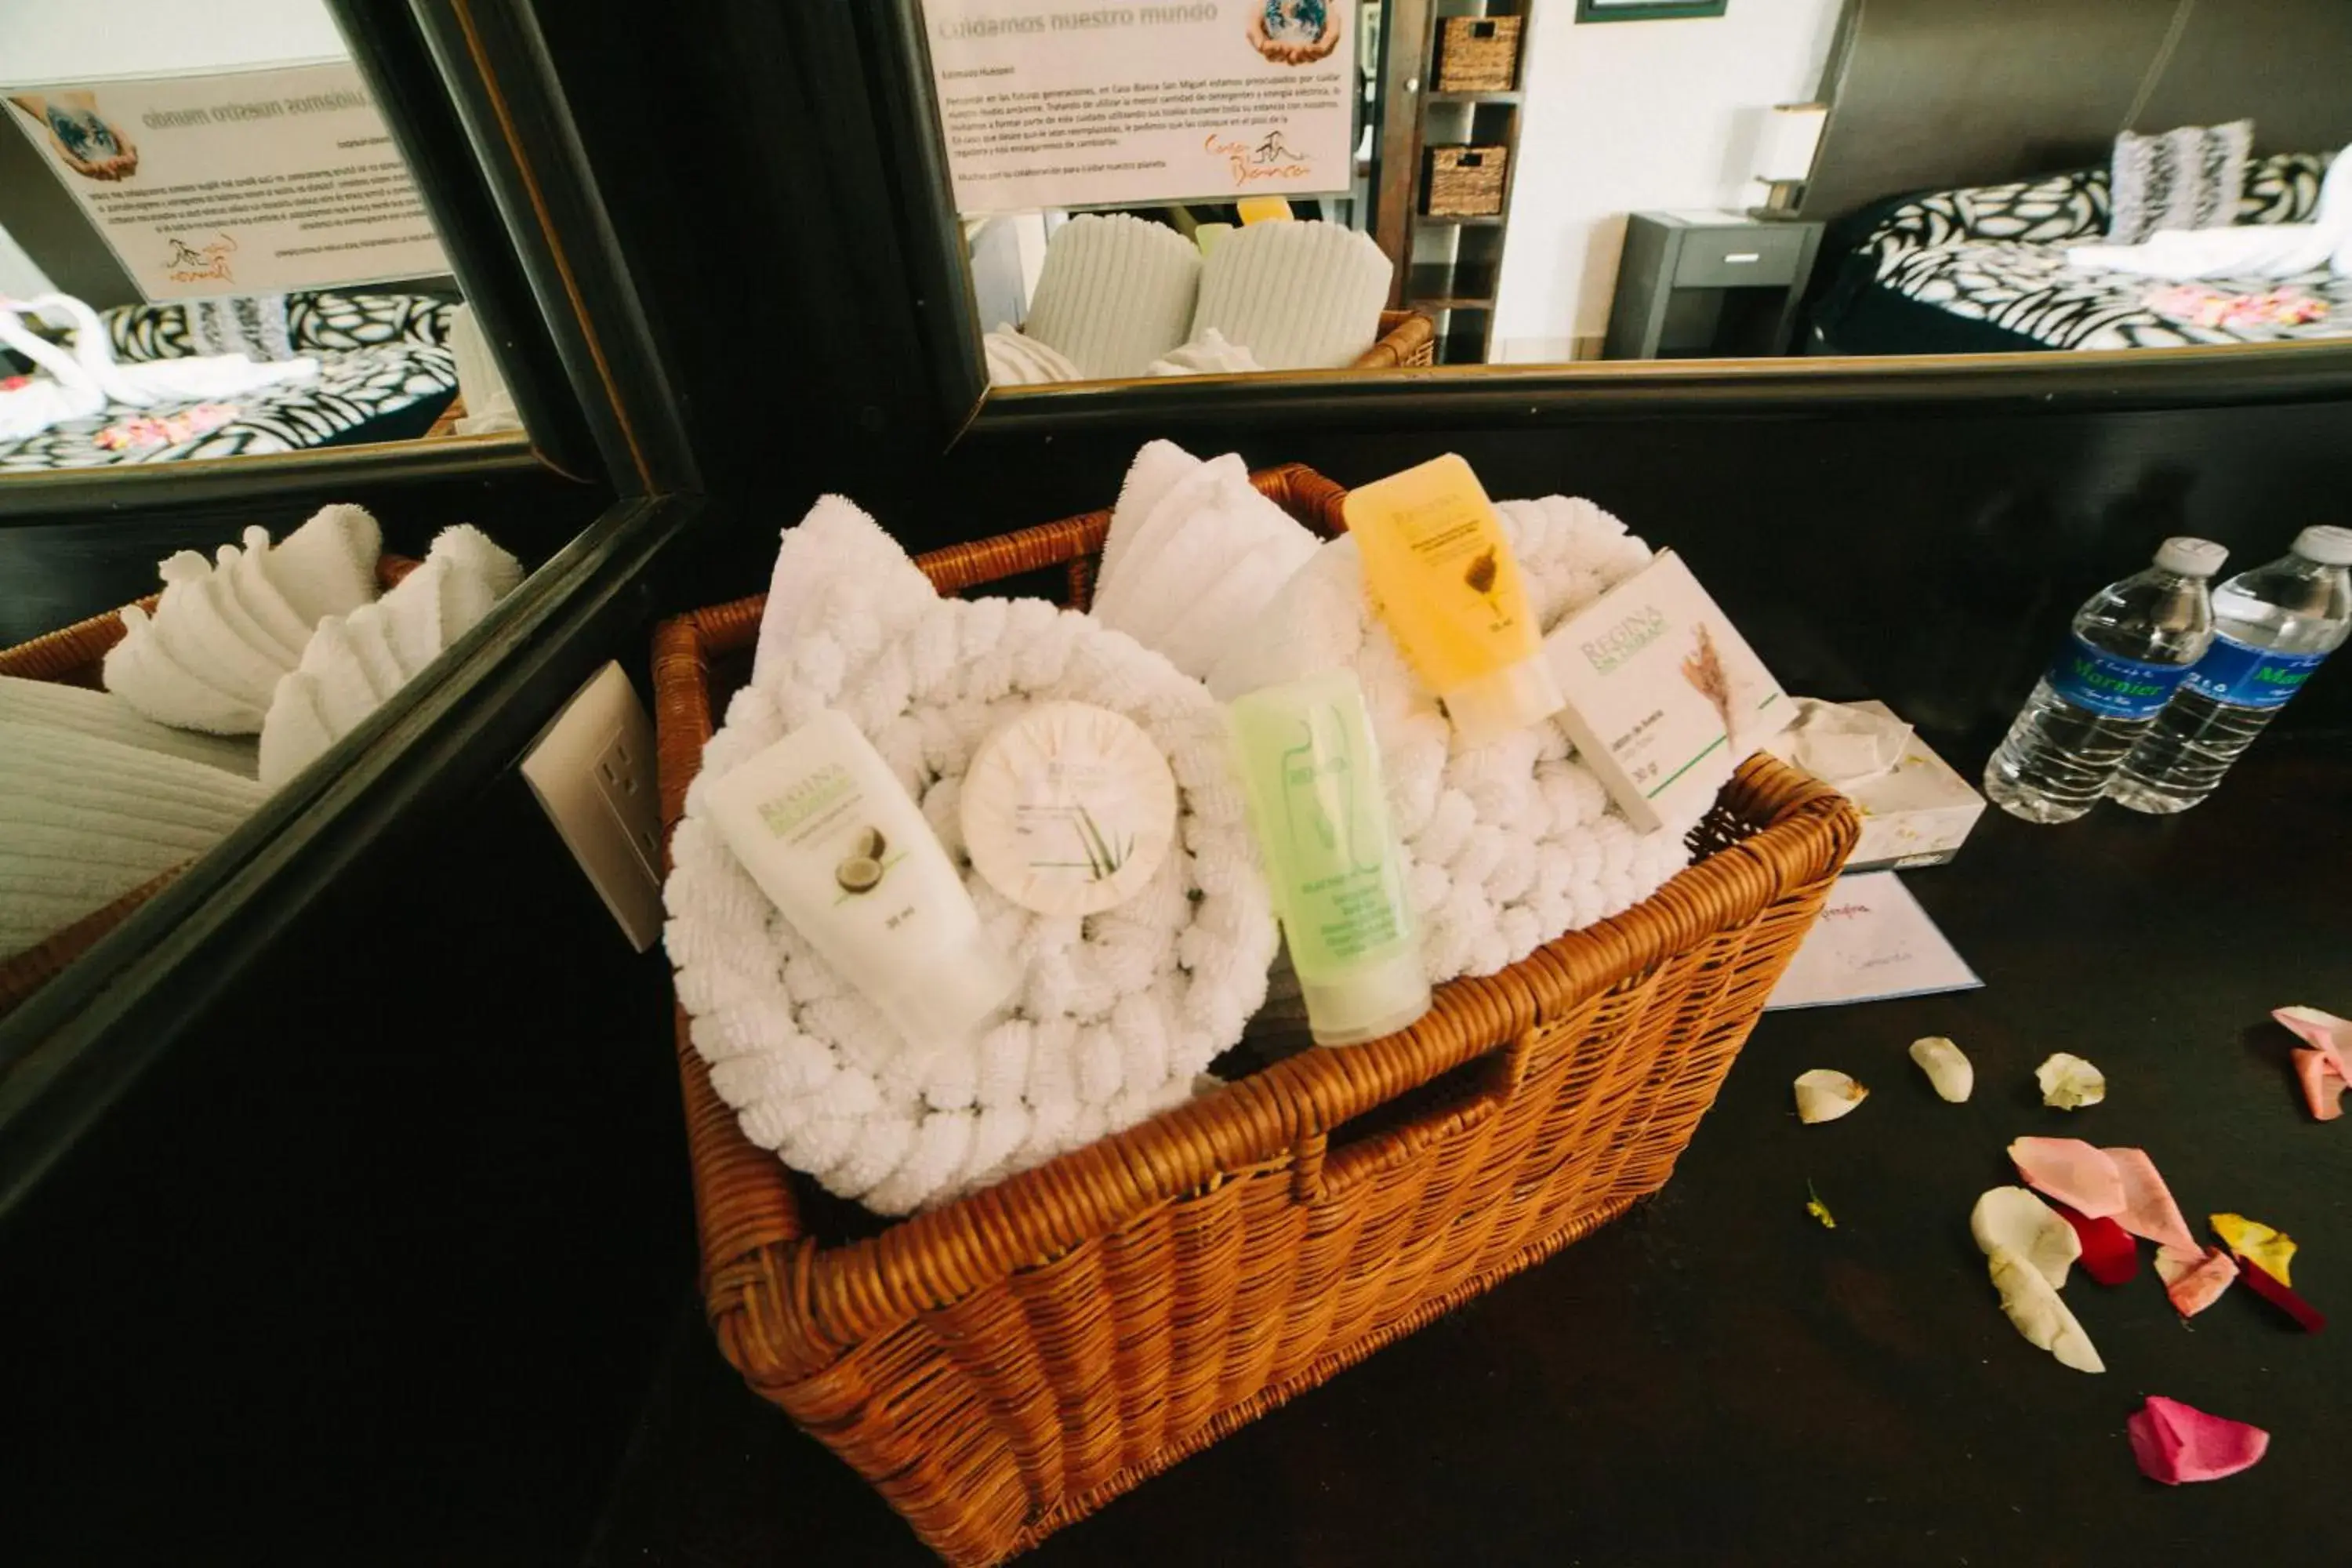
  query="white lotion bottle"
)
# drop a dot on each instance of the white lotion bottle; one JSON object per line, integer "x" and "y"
{"x": 823, "y": 827}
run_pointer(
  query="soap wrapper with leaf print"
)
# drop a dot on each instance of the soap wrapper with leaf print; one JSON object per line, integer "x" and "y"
{"x": 1666, "y": 699}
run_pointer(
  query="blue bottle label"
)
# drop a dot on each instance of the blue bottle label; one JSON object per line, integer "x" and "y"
{"x": 2245, "y": 676}
{"x": 2117, "y": 688}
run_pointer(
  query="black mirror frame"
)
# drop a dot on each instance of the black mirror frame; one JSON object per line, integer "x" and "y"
{"x": 475, "y": 103}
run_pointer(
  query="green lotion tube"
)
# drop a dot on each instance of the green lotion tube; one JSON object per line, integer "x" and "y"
{"x": 1317, "y": 799}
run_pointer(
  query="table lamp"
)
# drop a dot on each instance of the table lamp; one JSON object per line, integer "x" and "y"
{"x": 1784, "y": 155}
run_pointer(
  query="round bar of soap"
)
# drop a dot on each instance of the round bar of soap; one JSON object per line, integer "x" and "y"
{"x": 1069, "y": 809}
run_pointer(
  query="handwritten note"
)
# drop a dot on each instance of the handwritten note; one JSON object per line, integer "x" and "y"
{"x": 1874, "y": 941}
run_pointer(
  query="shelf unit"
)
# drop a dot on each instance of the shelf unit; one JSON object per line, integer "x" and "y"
{"x": 1450, "y": 267}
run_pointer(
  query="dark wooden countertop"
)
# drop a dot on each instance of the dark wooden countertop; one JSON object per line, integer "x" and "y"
{"x": 1716, "y": 1378}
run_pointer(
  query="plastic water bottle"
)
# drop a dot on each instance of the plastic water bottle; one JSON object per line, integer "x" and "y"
{"x": 2132, "y": 644}
{"x": 2272, "y": 627}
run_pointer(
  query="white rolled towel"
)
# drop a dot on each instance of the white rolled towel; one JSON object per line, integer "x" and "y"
{"x": 1116, "y": 1013}
{"x": 1302, "y": 296}
{"x": 1017, "y": 359}
{"x": 1116, "y": 294}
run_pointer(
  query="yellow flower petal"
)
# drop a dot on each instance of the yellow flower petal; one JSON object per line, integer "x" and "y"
{"x": 2271, "y": 1250}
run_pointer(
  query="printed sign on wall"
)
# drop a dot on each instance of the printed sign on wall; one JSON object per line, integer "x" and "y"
{"x": 1075, "y": 105}
{"x": 237, "y": 182}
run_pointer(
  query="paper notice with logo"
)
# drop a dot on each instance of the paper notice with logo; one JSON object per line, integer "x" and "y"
{"x": 1872, "y": 942}
{"x": 236, "y": 182}
{"x": 1072, "y": 105}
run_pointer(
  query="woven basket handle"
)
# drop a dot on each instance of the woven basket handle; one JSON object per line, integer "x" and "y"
{"x": 1322, "y": 1173}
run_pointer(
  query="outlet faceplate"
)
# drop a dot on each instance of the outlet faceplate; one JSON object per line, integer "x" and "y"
{"x": 592, "y": 771}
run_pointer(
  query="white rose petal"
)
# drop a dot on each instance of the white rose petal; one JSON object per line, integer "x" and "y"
{"x": 1825, "y": 1094}
{"x": 2014, "y": 1220}
{"x": 2070, "y": 1083}
{"x": 1945, "y": 1068}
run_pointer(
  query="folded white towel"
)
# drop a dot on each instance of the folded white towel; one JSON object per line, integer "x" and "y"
{"x": 1192, "y": 575}
{"x": 1016, "y": 359}
{"x": 327, "y": 566}
{"x": 104, "y": 716}
{"x": 227, "y": 631}
{"x": 1302, "y": 296}
{"x": 1118, "y": 1013}
{"x": 2244, "y": 250}
{"x": 1116, "y": 292}
{"x": 248, "y": 570}
{"x": 84, "y": 820}
{"x": 1208, "y": 354}
{"x": 355, "y": 661}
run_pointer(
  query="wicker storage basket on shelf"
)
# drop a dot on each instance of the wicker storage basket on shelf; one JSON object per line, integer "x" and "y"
{"x": 76, "y": 656}
{"x": 1006, "y": 1364}
{"x": 1479, "y": 54}
{"x": 1407, "y": 338}
{"x": 1466, "y": 182}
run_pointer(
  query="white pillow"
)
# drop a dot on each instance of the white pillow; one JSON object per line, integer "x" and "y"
{"x": 2187, "y": 178}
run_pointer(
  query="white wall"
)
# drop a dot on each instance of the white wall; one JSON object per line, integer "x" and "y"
{"x": 56, "y": 41}
{"x": 1627, "y": 116}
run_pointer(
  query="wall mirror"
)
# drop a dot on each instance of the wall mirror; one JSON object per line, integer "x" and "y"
{"x": 1219, "y": 188}
{"x": 273, "y": 535}
{"x": 211, "y": 246}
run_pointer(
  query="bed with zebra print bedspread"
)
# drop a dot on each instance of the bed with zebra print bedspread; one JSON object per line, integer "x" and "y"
{"x": 1983, "y": 269}
{"x": 384, "y": 374}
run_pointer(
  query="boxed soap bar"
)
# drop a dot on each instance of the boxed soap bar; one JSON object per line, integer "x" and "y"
{"x": 1914, "y": 814}
{"x": 1666, "y": 699}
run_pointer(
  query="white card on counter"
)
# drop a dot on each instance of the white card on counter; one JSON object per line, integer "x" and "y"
{"x": 1872, "y": 942}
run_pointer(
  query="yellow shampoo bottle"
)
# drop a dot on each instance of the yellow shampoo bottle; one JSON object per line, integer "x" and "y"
{"x": 1442, "y": 575}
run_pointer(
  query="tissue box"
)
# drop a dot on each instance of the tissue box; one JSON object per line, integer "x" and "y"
{"x": 1916, "y": 813}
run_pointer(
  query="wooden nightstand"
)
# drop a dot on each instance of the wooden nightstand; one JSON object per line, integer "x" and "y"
{"x": 1709, "y": 285}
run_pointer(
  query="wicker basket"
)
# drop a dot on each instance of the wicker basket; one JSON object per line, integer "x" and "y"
{"x": 1407, "y": 338}
{"x": 1466, "y": 182}
{"x": 1479, "y": 54}
{"x": 76, "y": 656}
{"x": 1003, "y": 1366}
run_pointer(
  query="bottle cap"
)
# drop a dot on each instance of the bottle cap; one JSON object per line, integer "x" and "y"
{"x": 1378, "y": 999}
{"x": 955, "y": 994}
{"x": 1485, "y": 709}
{"x": 2327, "y": 543}
{"x": 2190, "y": 557}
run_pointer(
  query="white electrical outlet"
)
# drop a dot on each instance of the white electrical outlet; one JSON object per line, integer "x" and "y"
{"x": 592, "y": 771}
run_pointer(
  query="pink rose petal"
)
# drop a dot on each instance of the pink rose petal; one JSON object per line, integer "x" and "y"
{"x": 2323, "y": 1031}
{"x": 2082, "y": 1177}
{"x": 2324, "y": 1068}
{"x": 2174, "y": 1443}
{"x": 2323, "y": 1084}
{"x": 2148, "y": 1209}
{"x": 2194, "y": 1282}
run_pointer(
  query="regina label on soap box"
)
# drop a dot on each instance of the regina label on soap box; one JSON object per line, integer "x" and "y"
{"x": 1666, "y": 699}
